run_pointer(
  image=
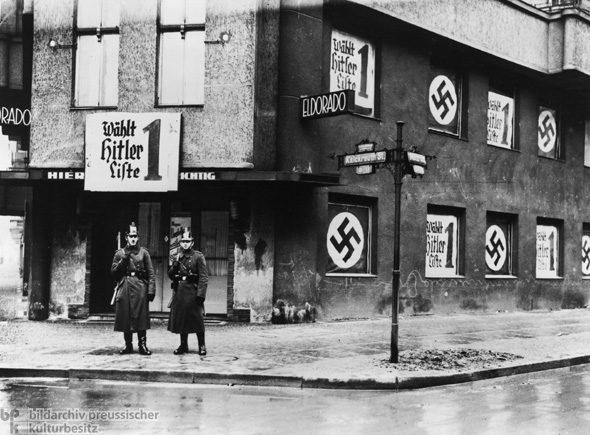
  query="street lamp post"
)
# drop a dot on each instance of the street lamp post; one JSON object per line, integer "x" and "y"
{"x": 398, "y": 176}
{"x": 399, "y": 163}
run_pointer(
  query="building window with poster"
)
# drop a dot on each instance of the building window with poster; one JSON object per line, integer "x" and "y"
{"x": 352, "y": 66}
{"x": 586, "y": 250}
{"x": 501, "y": 118}
{"x": 500, "y": 252}
{"x": 549, "y": 140}
{"x": 350, "y": 237}
{"x": 549, "y": 248}
{"x": 447, "y": 101}
{"x": 444, "y": 242}
{"x": 181, "y": 52}
{"x": 97, "y": 53}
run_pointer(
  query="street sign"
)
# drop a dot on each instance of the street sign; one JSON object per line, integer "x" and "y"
{"x": 331, "y": 104}
{"x": 364, "y": 158}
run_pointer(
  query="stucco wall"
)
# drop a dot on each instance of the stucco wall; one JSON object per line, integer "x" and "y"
{"x": 217, "y": 134}
{"x": 254, "y": 261}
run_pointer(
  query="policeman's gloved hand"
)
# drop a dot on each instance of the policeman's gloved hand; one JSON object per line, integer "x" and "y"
{"x": 151, "y": 297}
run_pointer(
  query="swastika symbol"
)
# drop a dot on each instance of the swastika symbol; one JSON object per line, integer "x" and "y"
{"x": 443, "y": 100}
{"x": 586, "y": 255}
{"x": 496, "y": 249}
{"x": 345, "y": 240}
{"x": 547, "y": 131}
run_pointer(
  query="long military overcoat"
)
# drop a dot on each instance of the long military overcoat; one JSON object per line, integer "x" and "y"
{"x": 190, "y": 277}
{"x": 135, "y": 279}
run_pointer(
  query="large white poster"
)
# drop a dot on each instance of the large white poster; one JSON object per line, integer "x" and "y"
{"x": 352, "y": 66}
{"x": 441, "y": 246}
{"x": 500, "y": 120}
{"x": 547, "y": 251}
{"x": 132, "y": 152}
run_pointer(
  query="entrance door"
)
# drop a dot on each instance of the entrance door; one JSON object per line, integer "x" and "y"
{"x": 214, "y": 246}
{"x": 150, "y": 236}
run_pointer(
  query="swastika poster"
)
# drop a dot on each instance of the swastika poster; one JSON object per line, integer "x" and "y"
{"x": 500, "y": 120}
{"x": 547, "y": 251}
{"x": 444, "y": 99}
{"x": 352, "y": 66}
{"x": 548, "y": 138}
{"x": 586, "y": 254}
{"x": 347, "y": 239}
{"x": 497, "y": 249}
{"x": 441, "y": 246}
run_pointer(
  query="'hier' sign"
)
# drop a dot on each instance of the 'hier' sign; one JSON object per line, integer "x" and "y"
{"x": 132, "y": 152}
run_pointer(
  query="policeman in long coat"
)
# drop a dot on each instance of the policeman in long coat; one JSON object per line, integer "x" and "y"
{"x": 189, "y": 277}
{"x": 136, "y": 286}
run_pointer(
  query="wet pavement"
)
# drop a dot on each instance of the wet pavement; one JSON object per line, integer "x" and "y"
{"x": 352, "y": 354}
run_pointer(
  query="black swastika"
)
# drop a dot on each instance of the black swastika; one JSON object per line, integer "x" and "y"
{"x": 346, "y": 238}
{"x": 497, "y": 248}
{"x": 442, "y": 100}
{"x": 585, "y": 255}
{"x": 546, "y": 130}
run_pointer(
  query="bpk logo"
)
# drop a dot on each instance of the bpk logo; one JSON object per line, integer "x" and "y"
{"x": 442, "y": 99}
{"x": 345, "y": 240}
{"x": 10, "y": 415}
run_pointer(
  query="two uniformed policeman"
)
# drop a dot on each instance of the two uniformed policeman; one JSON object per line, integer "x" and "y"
{"x": 136, "y": 285}
{"x": 189, "y": 277}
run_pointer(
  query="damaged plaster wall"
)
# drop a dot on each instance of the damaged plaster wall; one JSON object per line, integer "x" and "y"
{"x": 254, "y": 262}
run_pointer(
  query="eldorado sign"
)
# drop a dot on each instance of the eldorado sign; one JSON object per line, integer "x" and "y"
{"x": 132, "y": 152}
{"x": 331, "y": 104}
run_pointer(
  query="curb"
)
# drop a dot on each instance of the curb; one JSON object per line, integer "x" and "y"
{"x": 289, "y": 381}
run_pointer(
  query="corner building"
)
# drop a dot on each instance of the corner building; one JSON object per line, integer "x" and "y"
{"x": 189, "y": 113}
{"x": 497, "y": 91}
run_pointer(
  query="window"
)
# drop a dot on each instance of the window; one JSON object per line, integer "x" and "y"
{"x": 97, "y": 53}
{"x": 444, "y": 242}
{"x": 501, "y": 117}
{"x": 350, "y": 236}
{"x": 446, "y": 101}
{"x": 181, "y": 70}
{"x": 500, "y": 250}
{"x": 549, "y": 248}
{"x": 352, "y": 66}
{"x": 549, "y": 133}
{"x": 586, "y": 250}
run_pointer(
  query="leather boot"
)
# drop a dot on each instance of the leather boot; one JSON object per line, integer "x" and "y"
{"x": 128, "y": 344}
{"x": 141, "y": 338}
{"x": 183, "y": 348}
{"x": 201, "y": 339}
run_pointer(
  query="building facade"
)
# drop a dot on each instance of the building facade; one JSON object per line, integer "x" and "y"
{"x": 497, "y": 91}
{"x": 232, "y": 118}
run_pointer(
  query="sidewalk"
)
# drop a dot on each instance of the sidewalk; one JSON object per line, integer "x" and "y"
{"x": 352, "y": 354}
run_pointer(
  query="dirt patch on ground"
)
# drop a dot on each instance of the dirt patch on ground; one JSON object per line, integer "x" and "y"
{"x": 449, "y": 359}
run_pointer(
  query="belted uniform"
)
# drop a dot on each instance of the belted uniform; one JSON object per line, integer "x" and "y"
{"x": 189, "y": 276}
{"x": 135, "y": 280}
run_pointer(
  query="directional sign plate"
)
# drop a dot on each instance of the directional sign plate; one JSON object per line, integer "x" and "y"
{"x": 364, "y": 158}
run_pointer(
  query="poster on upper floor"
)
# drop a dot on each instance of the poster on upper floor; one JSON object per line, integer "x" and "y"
{"x": 132, "y": 152}
{"x": 500, "y": 120}
{"x": 352, "y": 66}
